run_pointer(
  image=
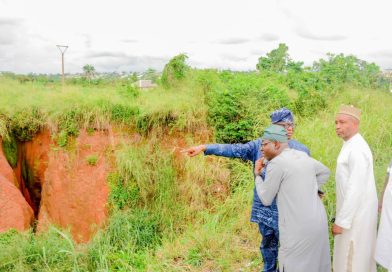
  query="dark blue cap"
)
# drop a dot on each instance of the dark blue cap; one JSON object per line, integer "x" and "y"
{"x": 282, "y": 115}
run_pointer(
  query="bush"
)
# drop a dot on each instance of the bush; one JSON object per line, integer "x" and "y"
{"x": 236, "y": 104}
{"x": 24, "y": 124}
{"x": 227, "y": 114}
{"x": 129, "y": 91}
{"x": 309, "y": 102}
{"x": 208, "y": 79}
{"x": 92, "y": 160}
{"x": 174, "y": 70}
{"x": 123, "y": 193}
{"x": 68, "y": 125}
{"x": 124, "y": 114}
{"x": 146, "y": 122}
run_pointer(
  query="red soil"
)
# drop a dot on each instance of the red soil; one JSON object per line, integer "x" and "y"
{"x": 15, "y": 212}
{"x": 74, "y": 192}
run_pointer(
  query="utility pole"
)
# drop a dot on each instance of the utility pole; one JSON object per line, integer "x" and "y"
{"x": 62, "y": 49}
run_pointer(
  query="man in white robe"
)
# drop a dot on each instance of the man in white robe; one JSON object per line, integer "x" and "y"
{"x": 294, "y": 179}
{"x": 356, "y": 198}
{"x": 384, "y": 240}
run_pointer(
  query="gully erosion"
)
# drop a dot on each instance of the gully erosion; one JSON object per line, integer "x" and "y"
{"x": 46, "y": 184}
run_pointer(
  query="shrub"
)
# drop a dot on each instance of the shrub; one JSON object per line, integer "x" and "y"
{"x": 208, "y": 79}
{"x": 92, "y": 160}
{"x": 129, "y": 91}
{"x": 146, "y": 122}
{"x": 124, "y": 114}
{"x": 236, "y": 104}
{"x": 26, "y": 123}
{"x": 123, "y": 193}
{"x": 174, "y": 70}
{"x": 68, "y": 125}
{"x": 309, "y": 102}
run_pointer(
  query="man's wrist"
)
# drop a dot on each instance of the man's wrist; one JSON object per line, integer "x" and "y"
{"x": 203, "y": 147}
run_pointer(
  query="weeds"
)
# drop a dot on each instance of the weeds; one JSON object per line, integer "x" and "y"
{"x": 92, "y": 160}
{"x": 53, "y": 251}
{"x": 10, "y": 150}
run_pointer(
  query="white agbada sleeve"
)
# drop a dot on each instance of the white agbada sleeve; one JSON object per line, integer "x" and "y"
{"x": 268, "y": 189}
{"x": 358, "y": 167}
{"x": 383, "y": 253}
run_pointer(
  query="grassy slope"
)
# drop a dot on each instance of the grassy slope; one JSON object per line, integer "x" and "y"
{"x": 175, "y": 222}
{"x": 97, "y": 106}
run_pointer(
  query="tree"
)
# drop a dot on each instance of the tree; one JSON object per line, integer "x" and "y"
{"x": 175, "y": 70}
{"x": 340, "y": 69}
{"x": 151, "y": 74}
{"x": 295, "y": 66}
{"x": 133, "y": 77}
{"x": 89, "y": 71}
{"x": 276, "y": 60}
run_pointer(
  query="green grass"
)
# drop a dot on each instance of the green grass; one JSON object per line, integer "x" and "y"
{"x": 51, "y": 251}
{"x": 167, "y": 212}
{"x": 92, "y": 160}
{"x": 65, "y": 110}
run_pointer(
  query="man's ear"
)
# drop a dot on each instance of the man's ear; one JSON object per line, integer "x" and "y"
{"x": 277, "y": 145}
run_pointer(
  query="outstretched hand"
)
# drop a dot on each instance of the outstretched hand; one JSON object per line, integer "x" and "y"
{"x": 194, "y": 150}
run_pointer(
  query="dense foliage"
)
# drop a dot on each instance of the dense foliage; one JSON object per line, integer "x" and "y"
{"x": 237, "y": 101}
{"x": 174, "y": 70}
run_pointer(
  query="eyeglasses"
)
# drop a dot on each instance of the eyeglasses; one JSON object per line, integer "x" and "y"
{"x": 265, "y": 143}
{"x": 285, "y": 125}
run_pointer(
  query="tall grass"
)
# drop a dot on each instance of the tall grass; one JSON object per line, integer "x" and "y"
{"x": 51, "y": 251}
{"x": 29, "y": 107}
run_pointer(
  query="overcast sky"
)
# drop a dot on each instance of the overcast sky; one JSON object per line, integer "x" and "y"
{"x": 226, "y": 34}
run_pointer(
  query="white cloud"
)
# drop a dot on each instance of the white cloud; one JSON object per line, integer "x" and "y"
{"x": 217, "y": 34}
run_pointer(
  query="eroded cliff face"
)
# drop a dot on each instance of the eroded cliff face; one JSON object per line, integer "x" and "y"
{"x": 64, "y": 187}
{"x": 15, "y": 212}
{"x": 75, "y": 192}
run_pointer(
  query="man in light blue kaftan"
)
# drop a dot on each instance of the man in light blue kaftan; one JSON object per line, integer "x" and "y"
{"x": 265, "y": 217}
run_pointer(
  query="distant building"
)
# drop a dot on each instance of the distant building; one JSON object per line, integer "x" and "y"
{"x": 388, "y": 73}
{"x": 145, "y": 84}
